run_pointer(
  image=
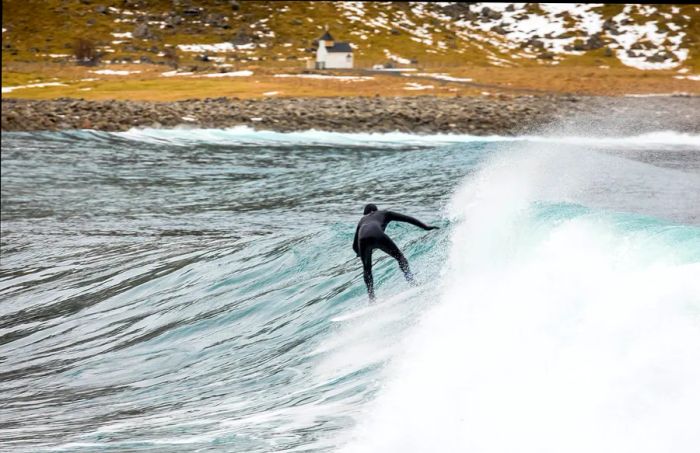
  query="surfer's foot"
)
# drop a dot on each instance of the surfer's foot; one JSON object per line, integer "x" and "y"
{"x": 409, "y": 278}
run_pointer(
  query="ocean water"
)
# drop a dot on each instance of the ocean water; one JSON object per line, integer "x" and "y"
{"x": 196, "y": 290}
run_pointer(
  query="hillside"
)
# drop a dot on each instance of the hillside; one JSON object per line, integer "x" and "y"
{"x": 501, "y": 45}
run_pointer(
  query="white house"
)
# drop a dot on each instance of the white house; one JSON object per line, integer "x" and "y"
{"x": 332, "y": 54}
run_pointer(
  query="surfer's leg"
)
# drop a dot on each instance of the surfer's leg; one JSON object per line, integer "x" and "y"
{"x": 366, "y": 255}
{"x": 387, "y": 246}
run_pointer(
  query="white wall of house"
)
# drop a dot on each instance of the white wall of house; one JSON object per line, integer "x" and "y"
{"x": 339, "y": 60}
{"x": 321, "y": 52}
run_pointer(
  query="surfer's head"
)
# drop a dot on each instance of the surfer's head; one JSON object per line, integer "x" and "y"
{"x": 370, "y": 208}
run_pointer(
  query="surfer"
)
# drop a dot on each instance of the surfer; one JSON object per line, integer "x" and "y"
{"x": 370, "y": 235}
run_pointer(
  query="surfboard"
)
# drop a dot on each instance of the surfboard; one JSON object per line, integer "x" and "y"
{"x": 379, "y": 304}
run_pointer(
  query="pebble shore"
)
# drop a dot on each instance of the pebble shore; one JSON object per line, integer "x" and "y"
{"x": 504, "y": 115}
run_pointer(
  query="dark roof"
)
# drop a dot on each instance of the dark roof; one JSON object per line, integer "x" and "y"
{"x": 340, "y": 47}
{"x": 326, "y": 37}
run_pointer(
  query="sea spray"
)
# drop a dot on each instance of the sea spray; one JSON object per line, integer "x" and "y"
{"x": 558, "y": 328}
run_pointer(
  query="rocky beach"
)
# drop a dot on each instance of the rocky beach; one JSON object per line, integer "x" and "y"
{"x": 484, "y": 115}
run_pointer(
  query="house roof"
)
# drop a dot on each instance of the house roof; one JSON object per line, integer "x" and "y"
{"x": 339, "y": 47}
{"x": 326, "y": 37}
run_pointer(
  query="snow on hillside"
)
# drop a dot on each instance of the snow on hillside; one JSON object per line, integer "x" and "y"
{"x": 557, "y": 27}
{"x": 663, "y": 50}
{"x": 501, "y": 34}
{"x": 531, "y": 30}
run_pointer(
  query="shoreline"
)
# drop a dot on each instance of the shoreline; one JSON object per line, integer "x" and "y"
{"x": 483, "y": 115}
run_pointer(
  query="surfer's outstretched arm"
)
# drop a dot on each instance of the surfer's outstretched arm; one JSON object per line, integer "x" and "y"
{"x": 395, "y": 216}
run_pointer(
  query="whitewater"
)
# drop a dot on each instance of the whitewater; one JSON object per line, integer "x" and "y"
{"x": 196, "y": 290}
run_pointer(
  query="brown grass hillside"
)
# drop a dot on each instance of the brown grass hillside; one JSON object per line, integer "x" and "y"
{"x": 149, "y": 38}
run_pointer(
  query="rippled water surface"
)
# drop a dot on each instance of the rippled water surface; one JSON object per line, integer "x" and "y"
{"x": 196, "y": 290}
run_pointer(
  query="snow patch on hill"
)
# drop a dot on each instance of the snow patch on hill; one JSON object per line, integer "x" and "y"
{"x": 512, "y": 31}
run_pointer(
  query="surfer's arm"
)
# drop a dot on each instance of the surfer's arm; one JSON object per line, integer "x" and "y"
{"x": 355, "y": 245}
{"x": 395, "y": 216}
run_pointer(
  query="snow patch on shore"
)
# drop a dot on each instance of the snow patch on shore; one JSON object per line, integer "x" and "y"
{"x": 114, "y": 72}
{"x": 33, "y": 85}
{"x": 244, "y": 73}
{"x": 396, "y": 58}
{"x": 440, "y": 76}
{"x": 216, "y": 48}
{"x": 327, "y": 77}
{"x": 417, "y": 87}
{"x": 175, "y": 73}
{"x": 688, "y": 77}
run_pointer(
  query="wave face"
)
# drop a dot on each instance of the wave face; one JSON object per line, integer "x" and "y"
{"x": 195, "y": 290}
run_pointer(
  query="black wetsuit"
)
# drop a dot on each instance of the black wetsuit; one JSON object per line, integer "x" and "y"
{"x": 370, "y": 235}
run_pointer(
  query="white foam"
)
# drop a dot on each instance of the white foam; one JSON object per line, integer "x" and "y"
{"x": 656, "y": 95}
{"x": 568, "y": 336}
{"x": 245, "y": 134}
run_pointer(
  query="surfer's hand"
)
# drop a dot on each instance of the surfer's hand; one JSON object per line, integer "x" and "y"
{"x": 433, "y": 228}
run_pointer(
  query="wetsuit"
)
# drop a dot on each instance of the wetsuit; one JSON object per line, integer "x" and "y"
{"x": 370, "y": 235}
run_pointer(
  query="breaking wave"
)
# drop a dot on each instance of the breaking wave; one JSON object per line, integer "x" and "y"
{"x": 195, "y": 289}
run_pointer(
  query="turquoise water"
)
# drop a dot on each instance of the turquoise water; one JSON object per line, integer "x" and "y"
{"x": 196, "y": 290}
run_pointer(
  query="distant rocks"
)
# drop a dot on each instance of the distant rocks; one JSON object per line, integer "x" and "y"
{"x": 506, "y": 115}
{"x": 216, "y": 20}
{"x": 192, "y": 12}
{"x": 594, "y": 42}
{"x": 660, "y": 57}
{"x": 141, "y": 31}
{"x": 488, "y": 13}
{"x": 242, "y": 38}
{"x": 173, "y": 20}
{"x": 611, "y": 27}
{"x": 458, "y": 10}
{"x": 500, "y": 30}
